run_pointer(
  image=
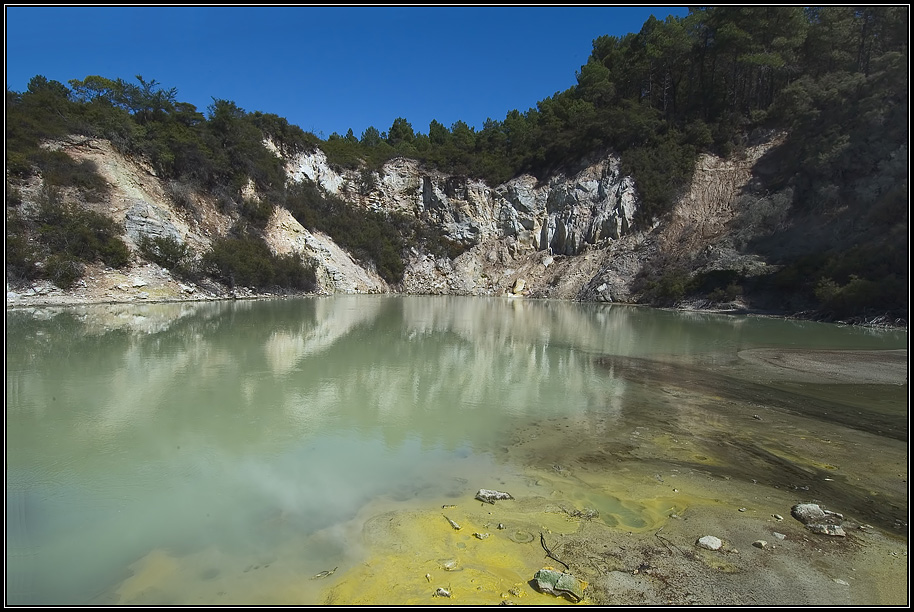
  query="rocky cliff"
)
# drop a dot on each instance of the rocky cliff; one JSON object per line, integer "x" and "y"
{"x": 569, "y": 236}
{"x": 563, "y": 214}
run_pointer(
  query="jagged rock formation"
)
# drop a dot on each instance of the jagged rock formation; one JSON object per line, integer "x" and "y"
{"x": 565, "y": 214}
{"x": 523, "y": 229}
{"x": 572, "y": 236}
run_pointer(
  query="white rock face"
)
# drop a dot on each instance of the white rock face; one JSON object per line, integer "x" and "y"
{"x": 314, "y": 166}
{"x": 399, "y": 187}
{"x": 501, "y": 227}
{"x": 595, "y": 205}
{"x": 566, "y": 214}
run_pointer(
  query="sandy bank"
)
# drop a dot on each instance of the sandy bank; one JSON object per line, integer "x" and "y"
{"x": 836, "y": 366}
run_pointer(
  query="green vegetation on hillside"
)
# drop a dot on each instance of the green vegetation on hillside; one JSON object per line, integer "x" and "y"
{"x": 58, "y": 239}
{"x": 833, "y": 78}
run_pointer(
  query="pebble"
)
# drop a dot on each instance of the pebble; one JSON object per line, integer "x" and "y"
{"x": 709, "y": 542}
{"x": 832, "y": 530}
{"x": 760, "y": 544}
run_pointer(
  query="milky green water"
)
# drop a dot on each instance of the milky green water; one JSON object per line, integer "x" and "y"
{"x": 155, "y": 452}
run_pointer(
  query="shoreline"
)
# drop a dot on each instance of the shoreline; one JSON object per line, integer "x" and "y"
{"x": 49, "y": 296}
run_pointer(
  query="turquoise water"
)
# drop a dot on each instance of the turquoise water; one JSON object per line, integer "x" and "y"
{"x": 245, "y": 427}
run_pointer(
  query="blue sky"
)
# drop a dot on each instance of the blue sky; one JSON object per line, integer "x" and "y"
{"x": 325, "y": 69}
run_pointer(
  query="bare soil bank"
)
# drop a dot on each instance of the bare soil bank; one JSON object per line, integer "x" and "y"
{"x": 861, "y": 367}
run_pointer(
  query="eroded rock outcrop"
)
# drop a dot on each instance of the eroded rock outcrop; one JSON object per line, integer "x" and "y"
{"x": 570, "y": 236}
{"x": 564, "y": 214}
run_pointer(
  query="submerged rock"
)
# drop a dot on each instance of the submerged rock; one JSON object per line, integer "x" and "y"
{"x": 521, "y": 537}
{"x": 448, "y": 565}
{"x": 490, "y": 497}
{"x": 586, "y": 513}
{"x": 559, "y": 584}
{"x": 452, "y": 523}
{"x": 442, "y": 592}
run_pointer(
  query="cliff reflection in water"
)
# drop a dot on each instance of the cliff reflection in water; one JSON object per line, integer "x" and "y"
{"x": 362, "y": 361}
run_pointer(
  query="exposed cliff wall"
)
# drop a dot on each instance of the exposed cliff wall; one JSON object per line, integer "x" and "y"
{"x": 695, "y": 236}
{"x": 564, "y": 214}
{"x": 524, "y": 229}
{"x": 572, "y": 236}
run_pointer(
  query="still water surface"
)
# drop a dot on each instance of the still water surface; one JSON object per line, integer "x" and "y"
{"x": 229, "y": 433}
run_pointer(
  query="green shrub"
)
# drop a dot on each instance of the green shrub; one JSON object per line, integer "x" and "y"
{"x": 18, "y": 164}
{"x": 13, "y": 196}
{"x": 63, "y": 270}
{"x": 667, "y": 289}
{"x": 84, "y": 235}
{"x": 21, "y": 255}
{"x": 60, "y": 169}
{"x": 225, "y": 202}
{"x": 671, "y": 287}
{"x": 859, "y": 295}
{"x": 168, "y": 253}
{"x": 718, "y": 285}
{"x": 247, "y": 261}
{"x": 726, "y": 294}
{"x": 371, "y": 236}
{"x": 88, "y": 236}
{"x": 256, "y": 212}
{"x": 113, "y": 252}
{"x": 21, "y": 258}
{"x": 826, "y": 290}
{"x": 291, "y": 273}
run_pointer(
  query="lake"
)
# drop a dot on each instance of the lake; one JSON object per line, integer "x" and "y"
{"x": 229, "y": 452}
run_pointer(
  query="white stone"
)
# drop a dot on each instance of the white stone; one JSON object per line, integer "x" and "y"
{"x": 709, "y": 542}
